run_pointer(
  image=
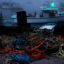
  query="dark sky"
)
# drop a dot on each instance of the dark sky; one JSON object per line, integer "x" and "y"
{"x": 34, "y": 5}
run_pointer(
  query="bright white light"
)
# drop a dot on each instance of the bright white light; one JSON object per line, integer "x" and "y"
{"x": 47, "y": 27}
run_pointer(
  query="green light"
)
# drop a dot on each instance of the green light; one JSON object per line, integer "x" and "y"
{"x": 52, "y": 4}
{"x": 13, "y": 16}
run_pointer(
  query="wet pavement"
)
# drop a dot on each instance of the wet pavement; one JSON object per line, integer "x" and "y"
{"x": 5, "y": 59}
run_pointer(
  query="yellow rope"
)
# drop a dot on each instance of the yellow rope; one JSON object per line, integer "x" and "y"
{"x": 60, "y": 53}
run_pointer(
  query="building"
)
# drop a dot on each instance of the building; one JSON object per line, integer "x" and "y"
{"x": 7, "y": 10}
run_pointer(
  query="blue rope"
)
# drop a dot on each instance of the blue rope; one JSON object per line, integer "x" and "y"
{"x": 21, "y": 57}
{"x": 19, "y": 42}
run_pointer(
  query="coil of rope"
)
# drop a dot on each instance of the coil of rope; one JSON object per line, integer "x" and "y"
{"x": 11, "y": 50}
{"x": 7, "y": 40}
{"x": 50, "y": 44}
{"x": 60, "y": 53}
{"x": 20, "y": 57}
{"x": 35, "y": 52}
{"x": 60, "y": 38}
{"x": 6, "y": 50}
{"x": 31, "y": 35}
{"x": 29, "y": 48}
{"x": 19, "y": 43}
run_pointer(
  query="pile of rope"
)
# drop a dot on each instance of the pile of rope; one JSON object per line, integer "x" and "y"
{"x": 34, "y": 47}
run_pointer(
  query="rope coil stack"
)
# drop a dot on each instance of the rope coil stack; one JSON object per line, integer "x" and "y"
{"x": 34, "y": 47}
{"x": 60, "y": 53}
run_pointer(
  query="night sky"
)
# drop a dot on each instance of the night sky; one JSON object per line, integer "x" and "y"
{"x": 34, "y": 5}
